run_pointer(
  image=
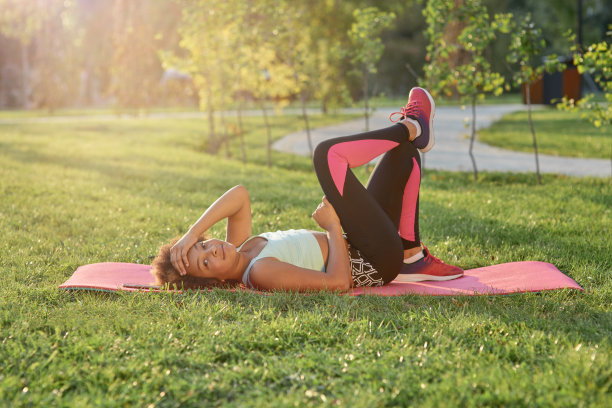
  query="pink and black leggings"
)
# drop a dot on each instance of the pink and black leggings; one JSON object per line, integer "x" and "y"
{"x": 381, "y": 219}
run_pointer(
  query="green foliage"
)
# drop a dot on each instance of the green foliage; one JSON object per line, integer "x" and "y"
{"x": 526, "y": 45}
{"x": 555, "y": 17}
{"x": 135, "y": 66}
{"x": 85, "y": 47}
{"x": 526, "y": 48}
{"x": 367, "y": 46}
{"x": 597, "y": 62}
{"x": 459, "y": 35}
{"x": 21, "y": 19}
{"x": 54, "y": 83}
{"x": 47, "y": 24}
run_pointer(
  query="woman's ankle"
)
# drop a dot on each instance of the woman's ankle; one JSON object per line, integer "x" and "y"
{"x": 408, "y": 253}
{"x": 413, "y": 130}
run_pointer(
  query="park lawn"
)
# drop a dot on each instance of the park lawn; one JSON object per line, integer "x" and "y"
{"x": 63, "y": 112}
{"x": 78, "y": 193}
{"x": 558, "y": 133}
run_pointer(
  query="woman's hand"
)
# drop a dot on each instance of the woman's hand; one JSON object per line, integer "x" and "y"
{"x": 326, "y": 216}
{"x": 178, "y": 253}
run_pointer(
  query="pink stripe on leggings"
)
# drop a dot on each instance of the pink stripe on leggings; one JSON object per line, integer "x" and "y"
{"x": 409, "y": 202}
{"x": 345, "y": 155}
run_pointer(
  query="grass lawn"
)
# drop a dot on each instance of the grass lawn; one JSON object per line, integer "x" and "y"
{"x": 558, "y": 133}
{"x": 37, "y": 113}
{"x": 78, "y": 193}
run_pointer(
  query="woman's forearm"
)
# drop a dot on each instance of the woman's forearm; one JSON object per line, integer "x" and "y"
{"x": 234, "y": 203}
{"x": 338, "y": 266}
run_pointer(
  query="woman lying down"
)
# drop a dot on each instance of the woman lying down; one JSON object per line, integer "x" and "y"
{"x": 371, "y": 233}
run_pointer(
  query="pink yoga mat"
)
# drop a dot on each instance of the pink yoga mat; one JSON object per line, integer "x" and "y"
{"x": 503, "y": 279}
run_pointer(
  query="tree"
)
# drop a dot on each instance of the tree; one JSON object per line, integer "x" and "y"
{"x": 55, "y": 79}
{"x": 297, "y": 41}
{"x": 268, "y": 74}
{"x": 458, "y": 62}
{"x": 49, "y": 62}
{"x": 527, "y": 44}
{"x": 232, "y": 47}
{"x": 596, "y": 61}
{"x": 22, "y": 20}
{"x": 93, "y": 31}
{"x": 367, "y": 47}
{"x": 304, "y": 72}
{"x": 237, "y": 92}
{"x": 269, "y": 79}
{"x": 136, "y": 68}
{"x": 201, "y": 29}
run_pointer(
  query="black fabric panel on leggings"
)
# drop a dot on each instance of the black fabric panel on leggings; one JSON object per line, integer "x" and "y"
{"x": 365, "y": 222}
{"x": 388, "y": 181}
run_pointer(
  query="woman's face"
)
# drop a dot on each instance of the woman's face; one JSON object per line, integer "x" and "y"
{"x": 212, "y": 259}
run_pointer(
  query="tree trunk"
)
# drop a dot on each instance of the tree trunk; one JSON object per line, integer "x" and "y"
{"x": 365, "y": 98}
{"x": 212, "y": 138}
{"x": 535, "y": 143}
{"x": 25, "y": 77}
{"x": 473, "y": 138}
{"x": 240, "y": 100}
{"x": 306, "y": 123}
{"x": 268, "y": 131}
{"x": 226, "y": 136}
{"x": 241, "y": 132}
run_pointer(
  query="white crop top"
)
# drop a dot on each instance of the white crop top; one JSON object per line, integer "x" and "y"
{"x": 297, "y": 247}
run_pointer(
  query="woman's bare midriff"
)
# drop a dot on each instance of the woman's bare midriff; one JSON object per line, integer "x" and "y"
{"x": 324, "y": 244}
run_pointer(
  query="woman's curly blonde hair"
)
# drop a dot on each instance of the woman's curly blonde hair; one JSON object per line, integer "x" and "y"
{"x": 165, "y": 274}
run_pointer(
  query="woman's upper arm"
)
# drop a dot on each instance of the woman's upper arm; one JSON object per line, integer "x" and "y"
{"x": 271, "y": 274}
{"x": 239, "y": 224}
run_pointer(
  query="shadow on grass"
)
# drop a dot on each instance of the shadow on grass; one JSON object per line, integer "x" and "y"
{"x": 561, "y": 247}
{"x": 116, "y": 172}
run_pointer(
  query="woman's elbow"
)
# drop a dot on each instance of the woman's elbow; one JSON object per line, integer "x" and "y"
{"x": 344, "y": 285}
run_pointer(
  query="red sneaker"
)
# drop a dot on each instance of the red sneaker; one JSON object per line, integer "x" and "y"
{"x": 428, "y": 268}
{"x": 420, "y": 107}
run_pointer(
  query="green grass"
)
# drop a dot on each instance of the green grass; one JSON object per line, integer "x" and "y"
{"x": 78, "y": 193}
{"x": 38, "y": 113}
{"x": 558, "y": 133}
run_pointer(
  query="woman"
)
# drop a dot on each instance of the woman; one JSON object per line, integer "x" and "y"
{"x": 380, "y": 222}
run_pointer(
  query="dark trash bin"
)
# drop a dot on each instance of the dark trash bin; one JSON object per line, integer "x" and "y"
{"x": 551, "y": 87}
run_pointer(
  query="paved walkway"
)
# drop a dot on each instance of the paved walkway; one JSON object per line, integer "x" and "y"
{"x": 452, "y": 144}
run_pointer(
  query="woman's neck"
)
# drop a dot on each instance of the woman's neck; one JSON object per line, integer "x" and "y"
{"x": 245, "y": 257}
{"x": 242, "y": 262}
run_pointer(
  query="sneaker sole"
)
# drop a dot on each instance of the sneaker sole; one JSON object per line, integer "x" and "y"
{"x": 432, "y": 139}
{"x": 405, "y": 278}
